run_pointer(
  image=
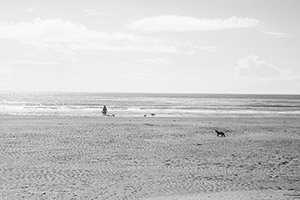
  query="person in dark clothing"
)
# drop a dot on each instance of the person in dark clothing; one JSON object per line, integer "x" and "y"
{"x": 104, "y": 110}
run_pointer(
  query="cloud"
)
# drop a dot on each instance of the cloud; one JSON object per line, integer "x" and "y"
{"x": 252, "y": 67}
{"x": 57, "y": 31}
{"x": 183, "y": 23}
{"x": 54, "y": 30}
{"x": 156, "y": 61}
{"x": 134, "y": 47}
{"x": 93, "y": 12}
{"x": 273, "y": 34}
{"x": 210, "y": 49}
{"x": 135, "y": 75}
{"x": 31, "y": 62}
{"x": 29, "y": 10}
{"x": 71, "y": 36}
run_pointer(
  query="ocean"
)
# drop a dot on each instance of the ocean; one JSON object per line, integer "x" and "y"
{"x": 140, "y": 104}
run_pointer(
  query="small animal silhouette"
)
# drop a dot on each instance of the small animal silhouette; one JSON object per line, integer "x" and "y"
{"x": 220, "y": 133}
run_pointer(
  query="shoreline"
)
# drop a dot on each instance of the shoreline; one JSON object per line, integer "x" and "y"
{"x": 156, "y": 117}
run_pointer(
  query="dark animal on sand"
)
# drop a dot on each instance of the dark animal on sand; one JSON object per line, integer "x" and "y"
{"x": 152, "y": 114}
{"x": 220, "y": 133}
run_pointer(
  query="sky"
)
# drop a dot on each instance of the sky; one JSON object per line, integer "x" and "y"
{"x": 157, "y": 46}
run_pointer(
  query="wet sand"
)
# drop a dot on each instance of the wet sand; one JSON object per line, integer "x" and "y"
{"x": 149, "y": 158}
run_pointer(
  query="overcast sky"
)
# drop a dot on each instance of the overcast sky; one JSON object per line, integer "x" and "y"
{"x": 184, "y": 46}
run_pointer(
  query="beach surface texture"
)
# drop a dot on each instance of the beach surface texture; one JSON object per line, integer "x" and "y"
{"x": 150, "y": 158}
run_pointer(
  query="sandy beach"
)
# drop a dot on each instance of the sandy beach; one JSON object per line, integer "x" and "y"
{"x": 149, "y": 158}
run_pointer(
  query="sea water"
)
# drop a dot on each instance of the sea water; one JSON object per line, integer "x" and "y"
{"x": 142, "y": 104}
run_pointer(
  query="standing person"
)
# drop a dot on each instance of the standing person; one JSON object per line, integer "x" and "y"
{"x": 104, "y": 110}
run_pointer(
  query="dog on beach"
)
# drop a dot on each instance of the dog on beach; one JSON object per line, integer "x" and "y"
{"x": 220, "y": 133}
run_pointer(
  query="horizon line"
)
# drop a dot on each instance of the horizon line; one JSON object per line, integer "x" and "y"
{"x": 188, "y": 93}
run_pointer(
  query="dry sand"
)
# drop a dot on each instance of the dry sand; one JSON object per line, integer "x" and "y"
{"x": 148, "y": 158}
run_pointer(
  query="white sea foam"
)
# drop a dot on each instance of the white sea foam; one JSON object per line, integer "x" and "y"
{"x": 162, "y": 105}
